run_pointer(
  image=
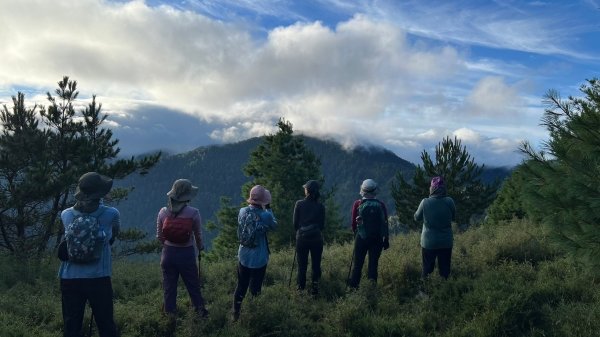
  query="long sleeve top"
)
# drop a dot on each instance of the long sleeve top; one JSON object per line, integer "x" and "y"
{"x": 110, "y": 222}
{"x": 257, "y": 257}
{"x": 437, "y": 214}
{"x": 186, "y": 212}
{"x": 309, "y": 212}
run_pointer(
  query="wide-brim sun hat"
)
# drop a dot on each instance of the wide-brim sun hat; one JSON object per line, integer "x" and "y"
{"x": 182, "y": 190}
{"x": 92, "y": 186}
{"x": 368, "y": 187}
{"x": 259, "y": 196}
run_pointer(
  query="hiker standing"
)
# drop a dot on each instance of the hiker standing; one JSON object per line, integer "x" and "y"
{"x": 90, "y": 227}
{"x": 309, "y": 221}
{"x": 437, "y": 212}
{"x": 178, "y": 228}
{"x": 370, "y": 227}
{"x": 254, "y": 221}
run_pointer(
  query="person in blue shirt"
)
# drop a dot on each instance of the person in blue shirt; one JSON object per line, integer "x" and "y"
{"x": 253, "y": 256}
{"x": 90, "y": 281}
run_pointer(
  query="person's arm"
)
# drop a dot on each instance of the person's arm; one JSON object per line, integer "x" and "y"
{"x": 453, "y": 209}
{"x": 386, "y": 229}
{"x": 296, "y": 216}
{"x": 268, "y": 219}
{"x": 354, "y": 215}
{"x": 419, "y": 212}
{"x": 116, "y": 227}
{"x": 159, "y": 234}
{"x": 240, "y": 215}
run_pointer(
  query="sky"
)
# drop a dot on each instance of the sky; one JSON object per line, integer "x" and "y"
{"x": 175, "y": 75}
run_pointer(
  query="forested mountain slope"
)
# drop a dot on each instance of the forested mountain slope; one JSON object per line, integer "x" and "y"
{"x": 217, "y": 171}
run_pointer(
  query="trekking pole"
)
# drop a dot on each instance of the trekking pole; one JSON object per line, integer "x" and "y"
{"x": 91, "y": 321}
{"x": 292, "y": 271}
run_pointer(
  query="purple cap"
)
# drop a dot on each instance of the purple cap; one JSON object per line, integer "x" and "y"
{"x": 437, "y": 182}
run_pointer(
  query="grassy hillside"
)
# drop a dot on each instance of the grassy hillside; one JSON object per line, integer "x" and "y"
{"x": 507, "y": 281}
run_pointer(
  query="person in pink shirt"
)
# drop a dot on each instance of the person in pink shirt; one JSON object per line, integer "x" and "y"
{"x": 178, "y": 229}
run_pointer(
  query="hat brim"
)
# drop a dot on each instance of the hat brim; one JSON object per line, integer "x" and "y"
{"x": 105, "y": 186}
{"x": 184, "y": 197}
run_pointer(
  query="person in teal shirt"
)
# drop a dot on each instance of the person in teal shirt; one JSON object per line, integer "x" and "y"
{"x": 437, "y": 213}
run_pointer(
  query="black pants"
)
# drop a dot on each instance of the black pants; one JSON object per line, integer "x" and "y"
{"x": 315, "y": 248}
{"x": 75, "y": 293}
{"x": 443, "y": 256}
{"x": 248, "y": 278}
{"x": 373, "y": 247}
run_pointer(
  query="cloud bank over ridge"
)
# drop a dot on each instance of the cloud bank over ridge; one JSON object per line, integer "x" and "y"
{"x": 403, "y": 84}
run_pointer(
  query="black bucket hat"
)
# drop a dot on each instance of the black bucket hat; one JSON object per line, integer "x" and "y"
{"x": 92, "y": 186}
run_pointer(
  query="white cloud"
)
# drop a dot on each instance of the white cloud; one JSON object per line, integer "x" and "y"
{"x": 467, "y": 135}
{"x": 360, "y": 81}
{"x": 492, "y": 96}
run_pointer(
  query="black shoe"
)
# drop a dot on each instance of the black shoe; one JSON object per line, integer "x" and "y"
{"x": 235, "y": 311}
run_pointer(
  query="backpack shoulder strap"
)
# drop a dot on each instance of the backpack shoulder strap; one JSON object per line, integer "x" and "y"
{"x": 175, "y": 214}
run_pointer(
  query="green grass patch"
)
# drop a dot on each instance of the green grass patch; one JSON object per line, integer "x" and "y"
{"x": 506, "y": 281}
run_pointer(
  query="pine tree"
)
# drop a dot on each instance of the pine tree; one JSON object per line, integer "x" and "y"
{"x": 225, "y": 244}
{"x": 52, "y": 156}
{"x": 509, "y": 203}
{"x": 563, "y": 188}
{"x": 22, "y": 159}
{"x": 463, "y": 183}
{"x": 282, "y": 164}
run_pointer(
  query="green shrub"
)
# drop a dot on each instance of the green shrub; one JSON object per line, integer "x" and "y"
{"x": 506, "y": 281}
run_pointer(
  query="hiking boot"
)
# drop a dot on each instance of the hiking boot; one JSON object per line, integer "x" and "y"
{"x": 235, "y": 311}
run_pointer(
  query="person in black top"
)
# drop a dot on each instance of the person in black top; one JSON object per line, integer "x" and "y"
{"x": 309, "y": 221}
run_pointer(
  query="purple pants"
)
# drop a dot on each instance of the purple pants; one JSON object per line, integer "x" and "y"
{"x": 177, "y": 261}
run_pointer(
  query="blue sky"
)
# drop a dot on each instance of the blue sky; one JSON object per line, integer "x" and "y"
{"x": 400, "y": 74}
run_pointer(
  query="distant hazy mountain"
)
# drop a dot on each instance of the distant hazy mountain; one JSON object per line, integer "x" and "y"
{"x": 217, "y": 171}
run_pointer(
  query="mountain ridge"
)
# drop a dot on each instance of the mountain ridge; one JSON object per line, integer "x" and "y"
{"x": 217, "y": 171}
